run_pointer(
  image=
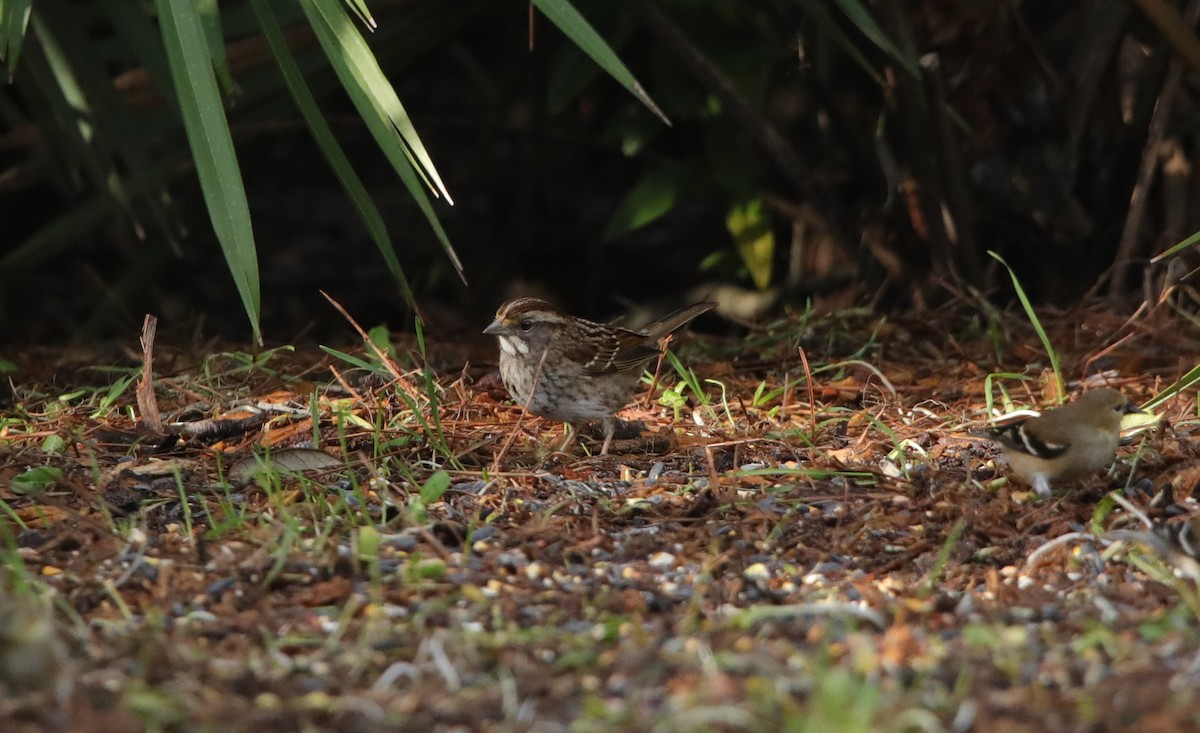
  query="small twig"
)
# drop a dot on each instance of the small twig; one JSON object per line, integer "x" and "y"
{"x": 819, "y": 609}
{"x": 904, "y": 559}
{"x": 712, "y": 469}
{"x": 134, "y": 565}
{"x": 1035, "y": 50}
{"x": 337, "y": 374}
{"x": 1174, "y": 27}
{"x": 1129, "y": 507}
{"x": 812, "y": 395}
{"x": 1036, "y": 555}
{"x": 1163, "y": 17}
{"x": 757, "y": 126}
{"x": 437, "y": 652}
{"x": 663, "y": 343}
{"x": 147, "y": 404}
{"x": 438, "y": 548}
{"x": 1129, "y": 322}
{"x": 393, "y": 673}
{"x": 383, "y": 357}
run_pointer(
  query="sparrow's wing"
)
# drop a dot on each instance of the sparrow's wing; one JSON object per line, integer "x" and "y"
{"x": 612, "y": 350}
{"x": 1017, "y": 437}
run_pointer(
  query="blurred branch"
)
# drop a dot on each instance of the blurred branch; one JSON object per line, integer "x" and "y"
{"x": 1154, "y": 141}
{"x": 759, "y": 128}
{"x": 958, "y": 216}
{"x": 1178, "y": 31}
{"x": 924, "y": 137}
{"x": 1101, "y": 38}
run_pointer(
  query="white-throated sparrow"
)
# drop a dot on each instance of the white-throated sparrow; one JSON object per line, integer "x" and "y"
{"x": 571, "y": 369}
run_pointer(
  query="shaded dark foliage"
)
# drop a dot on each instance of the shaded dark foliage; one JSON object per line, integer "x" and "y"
{"x": 884, "y": 145}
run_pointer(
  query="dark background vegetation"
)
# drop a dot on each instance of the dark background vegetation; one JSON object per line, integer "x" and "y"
{"x": 886, "y": 146}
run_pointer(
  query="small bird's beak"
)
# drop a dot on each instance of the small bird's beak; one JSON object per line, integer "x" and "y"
{"x": 495, "y": 328}
{"x": 1128, "y": 409}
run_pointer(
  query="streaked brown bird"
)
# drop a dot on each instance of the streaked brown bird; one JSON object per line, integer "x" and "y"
{"x": 574, "y": 370}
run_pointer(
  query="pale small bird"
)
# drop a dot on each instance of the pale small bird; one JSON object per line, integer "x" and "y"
{"x": 1067, "y": 443}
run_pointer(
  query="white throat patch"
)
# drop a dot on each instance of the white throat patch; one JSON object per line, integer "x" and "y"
{"x": 512, "y": 346}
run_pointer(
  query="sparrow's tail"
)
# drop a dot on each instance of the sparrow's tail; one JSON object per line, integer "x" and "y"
{"x": 672, "y": 322}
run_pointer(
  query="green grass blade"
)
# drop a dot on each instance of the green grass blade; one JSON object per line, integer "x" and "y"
{"x": 862, "y": 18}
{"x": 71, "y": 113}
{"x": 649, "y": 200}
{"x": 210, "y": 22}
{"x": 380, "y": 109}
{"x": 1185, "y": 244}
{"x": 14, "y": 19}
{"x": 334, "y": 155}
{"x": 116, "y": 129}
{"x": 360, "y": 9}
{"x": 1037, "y": 326}
{"x": 820, "y": 14}
{"x": 212, "y": 147}
{"x": 564, "y": 15}
{"x": 943, "y": 557}
{"x": 431, "y": 392}
{"x": 989, "y": 393}
{"x": 352, "y": 51}
{"x": 750, "y": 226}
{"x": 1183, "y": 384}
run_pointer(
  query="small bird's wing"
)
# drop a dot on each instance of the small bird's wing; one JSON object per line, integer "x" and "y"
{"x": 622, "y": 350}
{"x": 1020, "y": 437}
{"x": 675, "y": 320}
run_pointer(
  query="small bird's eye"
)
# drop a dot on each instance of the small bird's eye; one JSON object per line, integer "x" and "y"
{"x": 526, "y": 325}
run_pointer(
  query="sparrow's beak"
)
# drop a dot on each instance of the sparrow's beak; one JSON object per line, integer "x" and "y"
{"x": 495, "y": 329}
{"x": 1128, "y": 409}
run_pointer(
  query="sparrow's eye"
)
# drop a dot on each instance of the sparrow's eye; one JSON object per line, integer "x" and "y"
{"x": 525, "y": 325}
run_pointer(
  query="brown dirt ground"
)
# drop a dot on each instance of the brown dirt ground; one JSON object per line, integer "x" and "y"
{"x": 833, "y": 554}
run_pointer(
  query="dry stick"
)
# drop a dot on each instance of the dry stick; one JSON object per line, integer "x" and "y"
{"x": 531, "y": 17}
{"x": 382, "y": 356}
{"x": 1175, "y": 28}
{"x": 756, "y": 125}
{"x": 1036, "y": 556}
{"x": 1154, "y": 137}
{"x": 713, "y": 476}
{"x": 147, "y": 404}
{"x": 512, "y": 435}
{"x": 663, "y": 343}
{"x": 1035, "y": 50}
{"x": 812, "y": 395}
{"x": 1129, "y": 507}
{"x": 1087, "y": 72}
{"x": 337, "y": 374}
{"x": 1129, "y": 322}
{"x": 438, "y": 548}
{"x": 955, "y": 230}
